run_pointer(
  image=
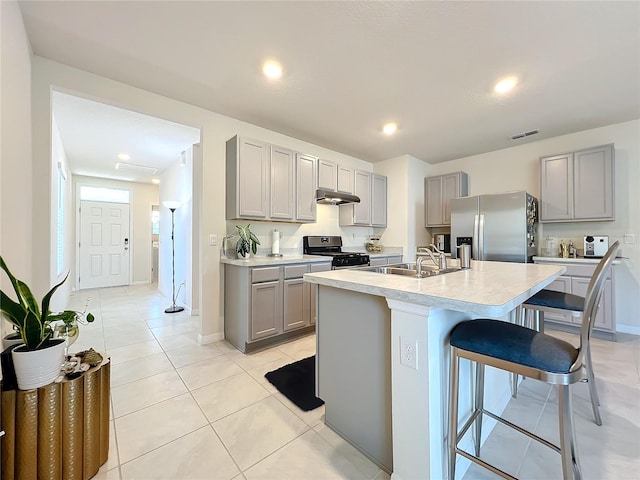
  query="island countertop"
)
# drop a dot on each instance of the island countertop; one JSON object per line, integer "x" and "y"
{"x": 489, "y": 289}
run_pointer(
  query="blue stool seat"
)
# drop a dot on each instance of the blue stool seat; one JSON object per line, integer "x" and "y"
{"x": 514, "y": 343}
{"x": 561, "y": 300}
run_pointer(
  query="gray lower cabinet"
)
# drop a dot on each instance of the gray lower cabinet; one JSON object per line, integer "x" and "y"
{"x": 313, "y": 290}
{"x": 266, "y": 308}
{"x": 578, "y": 186}
{"x": 264, "y": 305}
{"x": 576, "y": 281}
{"x": 386, "y": 260}
{"x": 297, "y": 313}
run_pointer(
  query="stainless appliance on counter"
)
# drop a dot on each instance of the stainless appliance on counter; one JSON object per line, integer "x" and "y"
{"x": 332, "y": 246}
{"x": 442, "y": 242}
{"x": 596, "y": 247}
{"x": 498, "y": 227}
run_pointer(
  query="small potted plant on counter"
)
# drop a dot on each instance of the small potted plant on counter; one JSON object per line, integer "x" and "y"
{"x": 247, "y": 243}
{"x": 37, "y": 362}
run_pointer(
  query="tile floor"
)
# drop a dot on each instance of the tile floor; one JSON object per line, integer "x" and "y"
{"x": 185, "y": 411}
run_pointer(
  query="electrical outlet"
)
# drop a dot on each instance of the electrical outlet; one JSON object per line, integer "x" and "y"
{"x": 409, "y": 353}
{"x": 213, "y": 239}
{"x": 629, "y": 238}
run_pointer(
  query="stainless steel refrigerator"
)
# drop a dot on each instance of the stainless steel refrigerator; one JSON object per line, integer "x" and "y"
{"x": 499, "y": 227}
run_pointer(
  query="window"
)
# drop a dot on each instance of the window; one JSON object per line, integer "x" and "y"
{"x": 102, "y": 194}
{"x": 155, "y": 220}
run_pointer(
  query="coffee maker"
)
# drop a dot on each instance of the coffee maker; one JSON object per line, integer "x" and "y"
{"x": 442, "y": 241}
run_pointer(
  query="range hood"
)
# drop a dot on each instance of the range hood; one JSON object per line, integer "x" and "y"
{"x": 328, "y": 197}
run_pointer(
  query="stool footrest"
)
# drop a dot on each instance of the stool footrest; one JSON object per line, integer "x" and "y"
{"x": 486, "y": 465}
{"x": 522, "y": 430}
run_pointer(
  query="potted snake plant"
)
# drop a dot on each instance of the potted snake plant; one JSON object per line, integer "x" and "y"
{"x": 247, "y": 243}
{"x": 37, "y": 362}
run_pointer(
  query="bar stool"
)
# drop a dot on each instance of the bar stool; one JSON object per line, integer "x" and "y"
{"x": 550, "y": 301}
{"x": 527, "y": 352}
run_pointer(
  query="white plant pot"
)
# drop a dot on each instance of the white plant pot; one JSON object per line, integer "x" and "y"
{"x": 11, "y": 339}
{"x": 37, "y": 368}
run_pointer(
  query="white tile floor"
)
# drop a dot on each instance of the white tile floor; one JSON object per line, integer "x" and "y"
{"x": 185, "y": 411}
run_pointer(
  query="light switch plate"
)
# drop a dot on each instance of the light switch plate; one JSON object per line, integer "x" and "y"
{"x": 629, "y": 238}
{"x": 213, "y": 239}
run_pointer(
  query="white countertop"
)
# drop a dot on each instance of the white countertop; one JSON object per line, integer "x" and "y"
{"x": 267, "y": 261}
{"x": 490, "y": 289}
{"x": 261, "y": 261}
{"x": 582, "y": 260}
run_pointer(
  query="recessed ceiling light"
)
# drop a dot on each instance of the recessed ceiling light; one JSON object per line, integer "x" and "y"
{"x": 505, "y": 85}
{"x": 124, "y": 156}
{"x": 156, "y": 181}
{"x": 272, "y": 69}
{"x": 390, "y": 128}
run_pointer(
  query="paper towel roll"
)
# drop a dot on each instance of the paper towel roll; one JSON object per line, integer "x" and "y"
{"x": 275, "y": 244}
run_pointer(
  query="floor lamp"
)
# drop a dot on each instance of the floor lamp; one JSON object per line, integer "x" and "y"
{"x": 173, "y": 308}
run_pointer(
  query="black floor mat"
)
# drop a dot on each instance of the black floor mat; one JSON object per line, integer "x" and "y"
{"x": 296, "y": 381}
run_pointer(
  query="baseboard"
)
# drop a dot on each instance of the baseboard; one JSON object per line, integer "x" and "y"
{"x": 141, "y": 282}
{"x": 628, "y": 329}
{"x": 206, "y": 339}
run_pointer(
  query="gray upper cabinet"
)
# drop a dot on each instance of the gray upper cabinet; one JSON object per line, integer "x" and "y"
{"x": 362, "y": 188}
{"x": 327, "y": 175}
{"x": 283, "y": 163}
{"x": 438, "y": 192}
{"x": 268, "y": 182}
{"x": 306, "y": 185}
{"x": 345, "y": 179}
{"x": 372, "y": 209}
{"x": 578, "y": 186}
{"x": 334, "y": 177}
{"x": 379, "y": 201}
{"x": 247, "y": 178}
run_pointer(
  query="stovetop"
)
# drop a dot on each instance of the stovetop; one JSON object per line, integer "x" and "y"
{"x": 331, "y": 246}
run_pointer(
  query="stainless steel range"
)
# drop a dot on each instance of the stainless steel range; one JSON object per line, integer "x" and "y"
{"x": 332, "y": 247}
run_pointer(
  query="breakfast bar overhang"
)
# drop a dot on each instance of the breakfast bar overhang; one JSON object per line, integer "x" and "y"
{"x": 383, "y": 356}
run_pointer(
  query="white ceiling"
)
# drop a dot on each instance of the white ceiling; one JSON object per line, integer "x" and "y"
{"x": 350, "y": 67}
{"x": 93, "y": 134}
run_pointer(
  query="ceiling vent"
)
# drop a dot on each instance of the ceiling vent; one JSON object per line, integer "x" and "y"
{"x": 524, "y": 134}
{"x": 131, "y": 168}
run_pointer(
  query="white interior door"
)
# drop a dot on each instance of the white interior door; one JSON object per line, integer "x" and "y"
{"x": 104, "y": 244}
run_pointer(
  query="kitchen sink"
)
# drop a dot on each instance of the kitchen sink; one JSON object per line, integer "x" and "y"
{"x": 410, "y": 270}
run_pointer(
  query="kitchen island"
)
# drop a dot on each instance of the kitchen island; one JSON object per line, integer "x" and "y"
{"x": 383, "y": 356}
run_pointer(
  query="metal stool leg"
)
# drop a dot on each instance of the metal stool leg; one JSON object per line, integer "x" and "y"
{"x": 570, "y": 465}
{"x": 479, "y": 405}
{"x": 453, "y": 413}
{"x": 593, "y": 392}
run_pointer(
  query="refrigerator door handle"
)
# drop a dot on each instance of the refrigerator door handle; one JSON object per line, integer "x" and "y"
{"x": 476, "y": 237}
{"x": 481, "y": 239}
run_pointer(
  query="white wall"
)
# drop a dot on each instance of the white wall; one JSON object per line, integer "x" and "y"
{"x": 215, "y": 131}
{"x": 405, "y": 203}
{"x": 143, "y": 196}
{"x": 176, "y": 184}
{"x": 518, "y": 168}
{"x": 16, "y": 202}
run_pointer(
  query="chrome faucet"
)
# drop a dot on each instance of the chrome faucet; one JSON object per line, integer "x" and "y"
{"x": 420, "y": 259}
{"x": 419, "y": 266}
{"x": 442, "y": 258}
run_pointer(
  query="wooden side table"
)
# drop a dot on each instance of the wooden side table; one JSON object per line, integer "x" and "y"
{"x": 59, "y": 431}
